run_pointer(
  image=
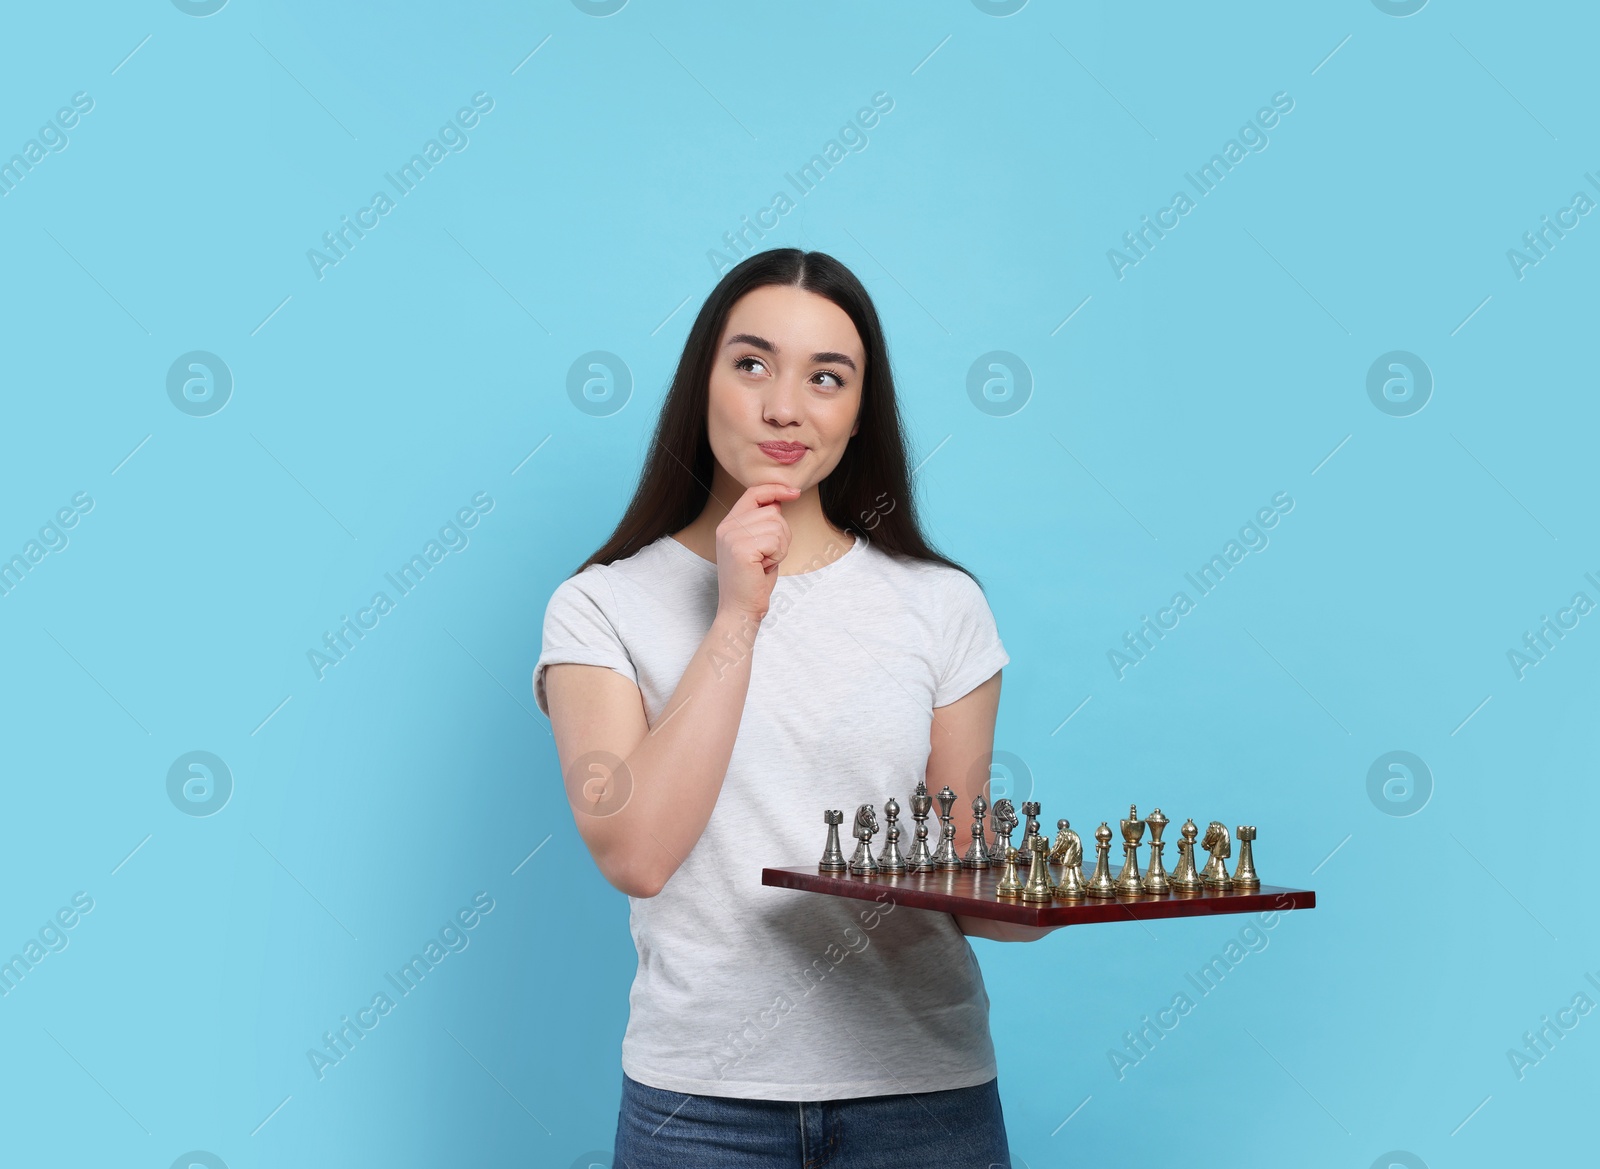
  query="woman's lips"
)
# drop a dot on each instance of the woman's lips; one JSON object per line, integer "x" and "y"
{"x": 783, "y": 452}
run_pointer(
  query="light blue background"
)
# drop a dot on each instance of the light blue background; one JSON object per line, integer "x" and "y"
{"x": 369, "y": 405}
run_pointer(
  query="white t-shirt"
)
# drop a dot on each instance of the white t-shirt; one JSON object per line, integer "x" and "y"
{"x": 762, "y": 993}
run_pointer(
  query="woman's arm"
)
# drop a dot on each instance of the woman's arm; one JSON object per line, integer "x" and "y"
{"x": 962, "y": 744}
{"x": 667, "y": 777}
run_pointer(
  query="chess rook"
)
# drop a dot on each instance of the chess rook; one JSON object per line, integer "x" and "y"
{"x": 1244, "y": 873}
{"x": 832, "y": 858}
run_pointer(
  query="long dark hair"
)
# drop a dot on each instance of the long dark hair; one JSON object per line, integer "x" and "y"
{"x": 675, "y": 482}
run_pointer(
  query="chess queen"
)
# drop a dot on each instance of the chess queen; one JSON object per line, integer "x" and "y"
{"x": 767, "y": 633}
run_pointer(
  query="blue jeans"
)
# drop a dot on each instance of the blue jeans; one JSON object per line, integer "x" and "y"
{"x": 961, "y": 1128}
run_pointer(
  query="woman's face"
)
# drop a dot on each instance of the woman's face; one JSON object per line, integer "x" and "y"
{"x": 786, "y": 378}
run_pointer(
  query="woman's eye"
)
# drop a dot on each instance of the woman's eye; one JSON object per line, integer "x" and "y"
{"x": 838, "y": 382}
{"x": 741, "y": 363}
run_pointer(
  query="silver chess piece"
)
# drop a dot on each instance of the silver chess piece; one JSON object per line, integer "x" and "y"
{"x": 891, "y": 861}
{"x": 945, "y": 858}
{"x": 1128, "y": 880}
{"x": 1030, "y": 809}
{"x": 1071, "y": 885}
{"x": 1155, "y": 878}
{"x": 862, "y": 864}
{"x": 1037, "y": 887}
{"x": 1185, "y": 879}
{"x": 832, "y": 858}
{"x": 978, "y": 851}
{"x": 1009, "y": 887}
{"x": 1004, "y": 820}
{"x": 921, "y": 859}
{"x": 1101, "y": 884}
{"x": 1215, "y": 874}
{"x": 1244, "y": 873}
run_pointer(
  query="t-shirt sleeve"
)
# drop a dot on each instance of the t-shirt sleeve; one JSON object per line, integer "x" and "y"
{"x": 580, "y": 627}
{"x": 970, "y": 642}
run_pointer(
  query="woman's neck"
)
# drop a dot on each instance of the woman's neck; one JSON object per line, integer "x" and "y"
{"x": 813, "y": 542}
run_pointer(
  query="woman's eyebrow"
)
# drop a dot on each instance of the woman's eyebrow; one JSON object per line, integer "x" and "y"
{"x": 763, "y": 343}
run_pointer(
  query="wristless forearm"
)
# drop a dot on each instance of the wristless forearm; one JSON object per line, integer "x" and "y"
{"x": 678, "y": 767}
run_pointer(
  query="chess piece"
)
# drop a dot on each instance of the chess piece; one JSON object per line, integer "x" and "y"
{"x": 1030, "y": 809}
{"x": 1071, "y": 886}
{"x": 1184, "y": 878}
{"x": 1005, "y": 823}
{"x": 978, "y": 851}
{"x": 1128, "y": 880}
{"x": 1215, "y": 874}
{"x": 1063, "y": 827}
{"x": 1155, "y": 878}
{"x": 891, "y": 861}
{"x": 1009, "y": 888}
{"x": 921, "y": 859}
{"x": 1244, "y": 873}
{"x": 945, "y": 858}
{"x": 1101, "y": 884}
{"x": 862, "y": 864}
{"x": 1037, "y": 887}
{"x": 832, "y": 858}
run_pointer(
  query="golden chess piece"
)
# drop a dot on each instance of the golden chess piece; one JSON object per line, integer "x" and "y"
{"x": 1037, "y": 887}
{"x": 1185, "y": 879}
{"x": 1128, "y": 880}
{"x": 1155, "y": 879}
{"x": 1101, "y": 884}
{"x": 1009, "y": 888}
{"x": 1071, "y": 886}
{"x": 1244, "y": 873}
{"x": 1215, "y": 874}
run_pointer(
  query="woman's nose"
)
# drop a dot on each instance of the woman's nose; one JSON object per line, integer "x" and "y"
{"x": 783, "y": 401}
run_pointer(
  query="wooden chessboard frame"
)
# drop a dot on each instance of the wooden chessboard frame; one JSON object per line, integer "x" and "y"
{"x": 971, "y": 892}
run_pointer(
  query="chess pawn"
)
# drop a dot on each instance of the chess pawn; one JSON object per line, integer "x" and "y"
{"x": 945, "y": 858}
{"x": 1037, "y": 887}
{"x": 1155, "y": 878}
{"x": 862, "y": 864}
{"x": 1005, "y": 822}
{"x": 921, "y": 859}
{"x": 1030, "y": 809}
{"x": 891, "y": 861}
{"x": 1128, "y": 880}
{"x": 1009, "y": 887}
{"x": 1071, "y": 886}
{"x": 832, "y": 858}
{"x": 1215, "y": 874}
{"x": 1244, "y": 873}
{"x": 1184, "y": 878}
{"x": 1101, "y": 884}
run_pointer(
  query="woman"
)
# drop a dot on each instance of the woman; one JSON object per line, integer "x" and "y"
{"x": 767, "y": 635}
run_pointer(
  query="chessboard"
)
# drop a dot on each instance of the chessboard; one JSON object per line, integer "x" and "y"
{"x": 972, "y": 892}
